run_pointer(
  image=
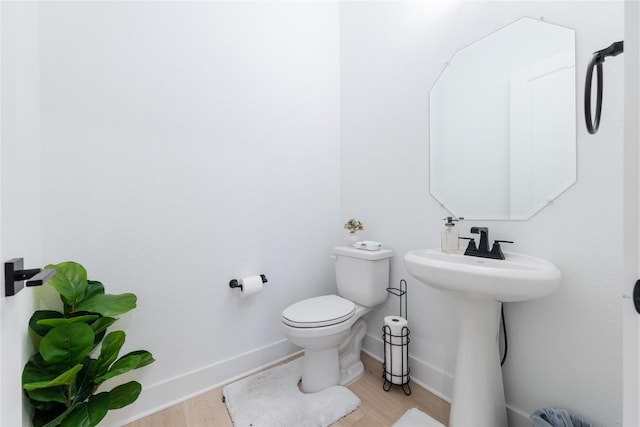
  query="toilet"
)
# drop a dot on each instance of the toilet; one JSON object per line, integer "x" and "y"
{"x": 330, "y": 328}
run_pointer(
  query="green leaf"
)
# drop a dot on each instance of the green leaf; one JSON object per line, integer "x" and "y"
{"x": 77, "y": 418}
{"x": 146, "y": 358}
{"x": 37, "y": 369}
{"x": 65, "y": 378}
{"x": 70, "y": 281}
{"x": 124, "y": 364}
{"x": 38, "y": 373}
{"x": 84, "y": 385}
{"x": 108, "y": 305}
{"x": 56, "y": 407}
{"x": 67, "y": 345}
{"x": 52, "y": 394}
{"x": 40, "y": 315}
{"x": 128, "y": 362}
{"x": 111, "y": 346}
{"x": 52, "y": 323}
{"x": 124, "y": 394}
{"x": 93, "y": 288}
{"x": 100, "y": 327}
{"x": 90, "y": 413}
{"x": 43, "y": 416}
{"x": 102, "y": 323}
{"x": 60, "y": 418}
{"x": 98, "y": 406}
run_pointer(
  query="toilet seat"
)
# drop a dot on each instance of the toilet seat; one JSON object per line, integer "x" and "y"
{"x": 318, "y": 312}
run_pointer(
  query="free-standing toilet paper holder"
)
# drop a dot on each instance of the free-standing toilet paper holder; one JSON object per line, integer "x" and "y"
{"x": 395, "y": 340}
{"x": 236, "y": 284}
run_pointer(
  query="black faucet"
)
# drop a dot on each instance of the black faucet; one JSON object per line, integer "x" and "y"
{"x": 483, "y": 247}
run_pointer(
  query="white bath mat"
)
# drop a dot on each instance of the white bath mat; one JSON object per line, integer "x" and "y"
{"x": 272, "y": 398}
{"x": 416, "y": 418}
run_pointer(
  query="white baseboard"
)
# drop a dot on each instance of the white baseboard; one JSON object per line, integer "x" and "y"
{"x": 160, "y": 396}
{"x": 517, "y": 418}
{"x": 435, "y": 380}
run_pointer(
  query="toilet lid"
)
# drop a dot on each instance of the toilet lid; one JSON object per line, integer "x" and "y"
{"x": 319, "y": 311}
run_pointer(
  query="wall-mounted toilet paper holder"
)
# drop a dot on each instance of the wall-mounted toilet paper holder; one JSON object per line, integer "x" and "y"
{"x": 236, "y": 284}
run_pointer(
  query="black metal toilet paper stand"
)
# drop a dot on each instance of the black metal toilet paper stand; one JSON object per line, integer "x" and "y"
{"x": 392, "y": 341}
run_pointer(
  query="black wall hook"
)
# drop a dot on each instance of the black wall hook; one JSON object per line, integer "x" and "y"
{"x": 15, "y": 276}
{"x": 236, "y": 284}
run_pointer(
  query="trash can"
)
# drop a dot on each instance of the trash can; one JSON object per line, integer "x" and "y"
{"x": 554, "y": 417}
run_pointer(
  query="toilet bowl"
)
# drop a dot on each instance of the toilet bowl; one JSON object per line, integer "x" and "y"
{"x": 330, "y": 328}
{"x": 323, "y": 326}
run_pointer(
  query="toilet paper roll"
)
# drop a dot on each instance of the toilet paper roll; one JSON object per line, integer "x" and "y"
{"x": 396, "y": 349}
{"x": 250, "y": 285}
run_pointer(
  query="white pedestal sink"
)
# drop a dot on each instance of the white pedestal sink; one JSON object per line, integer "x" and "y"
{"x": 479, "y": 286}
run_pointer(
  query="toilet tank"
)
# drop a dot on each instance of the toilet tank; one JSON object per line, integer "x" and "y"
{"x": 362, "y": 276}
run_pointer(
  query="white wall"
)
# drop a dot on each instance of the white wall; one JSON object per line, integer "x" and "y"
{"x": 564, "y": 350}
{"x": 187, "y": 144}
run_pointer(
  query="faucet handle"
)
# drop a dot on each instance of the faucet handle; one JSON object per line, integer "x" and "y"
{"x": 496, "y": 250}
{"x": 471, "y": 247}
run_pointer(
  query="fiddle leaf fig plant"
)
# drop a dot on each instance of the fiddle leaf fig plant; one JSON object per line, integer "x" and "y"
{"x": 75, "y": 354}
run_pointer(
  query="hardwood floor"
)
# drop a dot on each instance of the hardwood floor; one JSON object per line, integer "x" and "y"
{"x": 378, "y": 409}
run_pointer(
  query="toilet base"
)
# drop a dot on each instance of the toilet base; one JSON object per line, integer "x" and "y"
{"x": 320, "y": 369}
{"x": 352, "y": 374}
{"x": 335, "y": 365}
{"x": 351, "y": 367}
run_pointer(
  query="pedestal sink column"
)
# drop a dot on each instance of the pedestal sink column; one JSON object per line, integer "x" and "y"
{"x": 477, "y": 286}
{"x": 478, "y": 392}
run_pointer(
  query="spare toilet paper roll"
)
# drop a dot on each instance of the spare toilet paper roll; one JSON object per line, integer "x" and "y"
{"x": 250, "y": 285}
{"x": 396, "y": 350}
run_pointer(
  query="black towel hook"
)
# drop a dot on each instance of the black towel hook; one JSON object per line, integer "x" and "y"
{"x": 596, "y": 62}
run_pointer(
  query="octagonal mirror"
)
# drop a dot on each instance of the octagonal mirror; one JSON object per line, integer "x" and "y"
{"x": 503, "y": 123}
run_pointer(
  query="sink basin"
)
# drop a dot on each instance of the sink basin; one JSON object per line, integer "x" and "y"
{"x": 516, "y": 278}
{"x": 479, "y": 286}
